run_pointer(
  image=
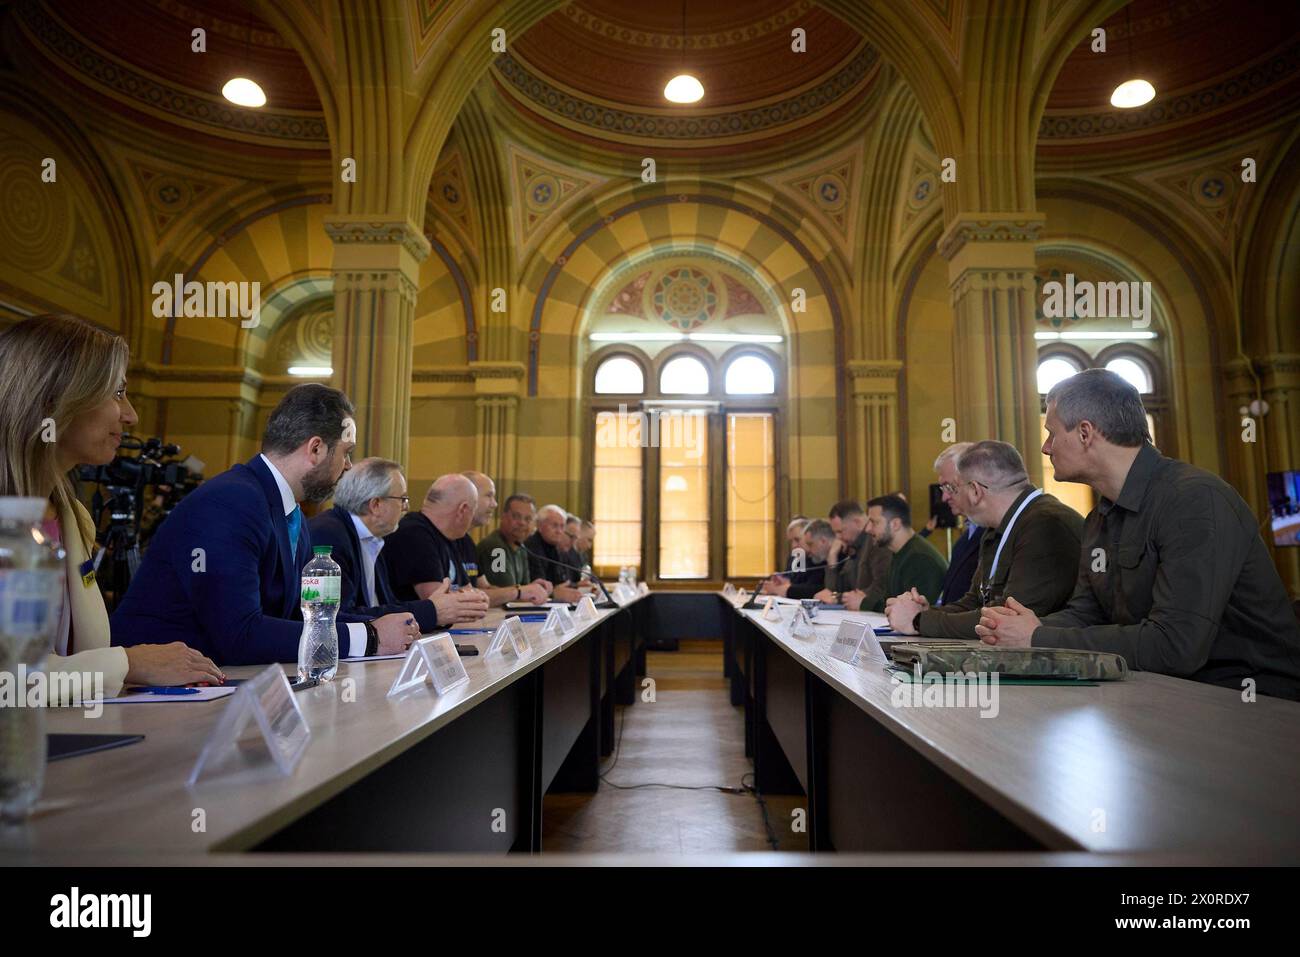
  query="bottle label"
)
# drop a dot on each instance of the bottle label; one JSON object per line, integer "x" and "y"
{"x": 322, "y": 588}
{"x": 29, "y": 603}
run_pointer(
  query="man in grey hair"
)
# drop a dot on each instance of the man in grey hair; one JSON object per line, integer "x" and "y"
{"x": 369, "y": 501}
{"x": 1029, "y": 552}
{"x": 1173, "y": 574}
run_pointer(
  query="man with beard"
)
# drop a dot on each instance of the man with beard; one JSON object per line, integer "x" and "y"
{"x": 915, "y": 562}
{"x": 222, "y": 572}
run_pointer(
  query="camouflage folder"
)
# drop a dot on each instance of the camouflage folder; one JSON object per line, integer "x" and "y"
{"x": 951, "y": 657}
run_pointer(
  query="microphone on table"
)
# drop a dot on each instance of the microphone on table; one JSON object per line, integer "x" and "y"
{"x": 753, "y": 602}
{"x": 608, "y": 601}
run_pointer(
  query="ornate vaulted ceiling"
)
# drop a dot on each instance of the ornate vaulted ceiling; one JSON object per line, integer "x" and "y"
{"x": 1216, "y": 65}
{"x": 594, "y": 70}
{"x": 137, "y": 60}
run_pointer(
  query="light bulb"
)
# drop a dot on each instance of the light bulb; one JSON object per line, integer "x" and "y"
{"x": 242, "y": 91}
{"x": 684, "y": 88}
{"x": 1132, "y": 93}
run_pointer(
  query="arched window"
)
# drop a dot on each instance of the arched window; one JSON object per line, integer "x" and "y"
{"x": 1054, "y": 369}
{"x": 619, "y": 374}
{"x": 1133, "y": 371}
{"x": 750, "y": 375}
{"x": 684, "y": 478}
{"x": 685, "y": 375}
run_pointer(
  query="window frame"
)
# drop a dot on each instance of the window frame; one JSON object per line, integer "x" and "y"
{"x": 718, "y": 404}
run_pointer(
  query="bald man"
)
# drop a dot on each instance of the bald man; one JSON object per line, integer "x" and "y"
{"x": 536, "y": 591}
{"x": 432, "y": 545}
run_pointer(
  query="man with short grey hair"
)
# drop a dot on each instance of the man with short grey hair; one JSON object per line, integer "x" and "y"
{"x": 818, "y": 536}
{"x": 1030, "y": 551}
{"x": 1173, "y": 574}
{"x": 965, "y": 553}
{"x": 545, "y": 554}
{"x": 369, "y": 501}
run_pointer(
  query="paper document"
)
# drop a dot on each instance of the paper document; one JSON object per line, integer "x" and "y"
{"x": 154, "y": 697}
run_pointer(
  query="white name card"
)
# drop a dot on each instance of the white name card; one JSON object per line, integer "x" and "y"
{"x": 729, "y": 591}
{"x": 586, "y": 610}
{"x": 510, "y": 638}
{"x": 268, "y": 702}
{"x": 801, "y": 626}
{"x": 856, "y": 642}
{"x": 642, "y": 588}
{"x": 558, "y": 623}
{"x": 431, "y": 659}
{"x": 769, "y": 610}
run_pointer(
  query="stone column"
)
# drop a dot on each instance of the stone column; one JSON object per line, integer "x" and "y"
{"x": 498, "y": 386}
{"x": 376, "y": 271}
{"x": 991, "y": 276}
{"x": 877, "y": 468}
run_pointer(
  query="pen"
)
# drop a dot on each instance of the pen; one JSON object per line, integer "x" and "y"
{"x": 164, "y": 690}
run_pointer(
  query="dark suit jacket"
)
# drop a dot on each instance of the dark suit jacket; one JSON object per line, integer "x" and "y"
{"x": 336, "y": 528}
{"x": 961, "y": 566}
{"x": 219, "y": 575}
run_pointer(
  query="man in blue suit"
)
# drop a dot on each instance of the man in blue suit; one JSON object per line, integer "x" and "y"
{"x": 222, "y": 572}
{"x": 368, "y": 503}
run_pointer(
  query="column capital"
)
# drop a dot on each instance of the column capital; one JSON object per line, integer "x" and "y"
{"x": 874, "y": 376}
{"x": 372, "y": 232}
{"x": 498, "y": 378}
{"x": 1002, "y": 239}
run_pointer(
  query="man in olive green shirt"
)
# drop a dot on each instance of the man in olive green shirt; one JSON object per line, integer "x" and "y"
{"x": 1173, "y": 574}
{"x": 915, "y": 563}
{"x": 1030, "y": 550}
{"x": 502, "y": 558}
{"x": 857, "y": 571}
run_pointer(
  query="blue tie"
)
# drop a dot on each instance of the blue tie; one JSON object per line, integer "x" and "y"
{"x": 294, "y": 519}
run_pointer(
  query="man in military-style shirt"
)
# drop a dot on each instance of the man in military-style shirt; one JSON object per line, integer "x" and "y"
{"x": 857, "y": 569}
{"x": 1173, "y": 574}
{"x": 1030, "y": 550}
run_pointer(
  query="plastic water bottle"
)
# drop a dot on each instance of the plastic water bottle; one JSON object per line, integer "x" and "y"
{"x": 31, "y": 602}
{"x": 318, "y": 649}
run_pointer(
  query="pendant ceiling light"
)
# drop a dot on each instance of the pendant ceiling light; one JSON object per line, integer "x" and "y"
{"x": 240, "y": 90}
{"x": 684, "y": 88}
{"x": 1136, "y": 91}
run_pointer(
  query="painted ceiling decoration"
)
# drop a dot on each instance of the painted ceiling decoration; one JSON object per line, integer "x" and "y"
{"x": 449, "y": 193}
{"x": 595, "y": 69}
{"x": 1206, "y": 68}
{"x": 684, "y": 289}
{"x": 542, "y": 190}
{"x": 828, "y": 190}
{"x": 131, "y": 62}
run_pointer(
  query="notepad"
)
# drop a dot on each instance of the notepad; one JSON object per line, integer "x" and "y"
{"x": 150, "y": 697}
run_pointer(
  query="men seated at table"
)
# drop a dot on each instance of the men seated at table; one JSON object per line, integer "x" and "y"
{"x": 503, "y": 571}
{"x": 369, "y": 501}
{"x": 432, "y": 545}
{"x": 573, "y": 532}
{"x": 914, "y": 562}
{"x": 546, "y": 550}
{"x": 587, "y": 542}
{"x": 857, "y": 570}
{"x": 1030, "y": 551}
{"x": 794, "y": 530}
{"x": 502, "y": 558}
{"x": 1173, "y": 574}
{"x": 965, "y": 553}
{"x": 818, "y": 536}
{"x": 222, "y": 573}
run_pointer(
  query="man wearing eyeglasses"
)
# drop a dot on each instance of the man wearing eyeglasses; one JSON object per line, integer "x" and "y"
{"x": 1030, "y": 551}
{"x": 369, "y": 502}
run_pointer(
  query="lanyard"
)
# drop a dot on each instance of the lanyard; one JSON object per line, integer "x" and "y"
{"x": 1007, "y": 534}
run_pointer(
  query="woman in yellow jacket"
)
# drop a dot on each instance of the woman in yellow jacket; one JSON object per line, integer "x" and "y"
{"x": 62, "y": 404}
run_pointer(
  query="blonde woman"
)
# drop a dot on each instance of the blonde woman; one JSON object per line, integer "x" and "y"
{"x": 63, "y": 370}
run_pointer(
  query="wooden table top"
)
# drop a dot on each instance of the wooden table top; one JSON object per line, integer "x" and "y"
{"x": 135, "y": 798}
{"x": 1173, "y": 765}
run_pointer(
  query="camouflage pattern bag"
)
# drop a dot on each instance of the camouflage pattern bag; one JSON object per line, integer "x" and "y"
{"x": 953, "y": 657}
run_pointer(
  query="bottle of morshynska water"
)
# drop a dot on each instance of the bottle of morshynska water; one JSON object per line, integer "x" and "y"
{"x": 31, "y": 602}
{"x": 318, "y": 649}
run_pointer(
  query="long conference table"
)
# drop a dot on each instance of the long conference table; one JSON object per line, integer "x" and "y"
{"x": 1149, "y": 765}
{"x": 463, "y": 772}
{"x": 1152, "y": 768}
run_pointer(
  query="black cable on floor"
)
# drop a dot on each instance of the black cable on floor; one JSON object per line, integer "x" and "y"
{"x": 762, "y": 804}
